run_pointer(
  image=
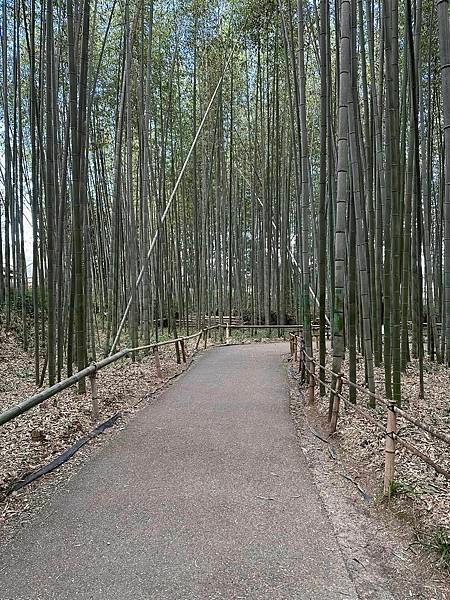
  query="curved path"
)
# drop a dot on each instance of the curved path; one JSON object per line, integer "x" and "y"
{"x": 205, "y": 495}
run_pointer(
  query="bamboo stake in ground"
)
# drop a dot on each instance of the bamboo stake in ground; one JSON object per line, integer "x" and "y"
{"x": 183, "y": 350}
{"x": 94, "y": 396}
{"x": 336, "y": 403}
{"x": 177, "y": 351}
{"x": 157, "y": 362}
{"x": 198, "y": 340}
{"x": 389, "y": 450}
{"x": 312, "y": 382}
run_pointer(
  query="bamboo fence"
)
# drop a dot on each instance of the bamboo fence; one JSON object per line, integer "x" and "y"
{"x": 307, "y": 365}
{"x": 92, "y": 370}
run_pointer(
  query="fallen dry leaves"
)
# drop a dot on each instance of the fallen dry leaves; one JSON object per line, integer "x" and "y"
{"x": 421, "y": 494}
{"x": 38, "y": 436}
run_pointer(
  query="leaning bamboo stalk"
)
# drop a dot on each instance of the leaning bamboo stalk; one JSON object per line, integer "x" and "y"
{"x": 170, "y": 200}
{"x": 28, "y": 403}
{"x": 199, "y": 337}
{"x": 183, "y": 350}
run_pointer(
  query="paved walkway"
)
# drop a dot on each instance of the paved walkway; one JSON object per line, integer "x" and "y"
{"x": 205, "y": 495}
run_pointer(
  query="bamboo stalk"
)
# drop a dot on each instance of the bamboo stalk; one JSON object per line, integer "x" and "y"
{"x": 177, "y": 351}
{"x": 28, "y": 403}
{"x": 157, "y": 361}
{"x": 94, "y": 397}
{"x": 389, "y": 450}
{"x": 183, "y": 350}
{"x": 336, "y": 404}
{"x": 312, "y": 383}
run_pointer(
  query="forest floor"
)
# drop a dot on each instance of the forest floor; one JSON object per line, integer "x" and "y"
{"x": 42, "y": 434}
{"x": 420, "y": 501}
{"x": 418, "y": 513}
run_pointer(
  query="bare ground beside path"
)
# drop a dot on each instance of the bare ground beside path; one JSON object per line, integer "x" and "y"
{"x": 205, "y": 495}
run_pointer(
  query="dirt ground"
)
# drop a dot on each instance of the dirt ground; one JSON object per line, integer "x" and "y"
{"x": 39, "y": 436}
{"x": 43, "y": 433}
{"x": 394, "y": 538}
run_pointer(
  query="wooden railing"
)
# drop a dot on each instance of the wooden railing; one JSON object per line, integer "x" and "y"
{"x": 92, "y": 370}
{"x": 307, "y": 365}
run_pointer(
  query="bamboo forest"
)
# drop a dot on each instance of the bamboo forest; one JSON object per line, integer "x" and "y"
{"x": 278, "y": 166}
{"x": 315, "y": 190}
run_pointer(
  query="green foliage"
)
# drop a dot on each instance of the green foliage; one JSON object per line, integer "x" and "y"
{"x": 259, "y": 16}
{"x": 440, "y": 542}
{"x": 399, "y": 488}
{"x": 26, "y": 301}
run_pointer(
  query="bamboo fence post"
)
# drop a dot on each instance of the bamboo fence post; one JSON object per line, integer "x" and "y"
{"x": 336, "y": 403}
{"x": 198, "y": 340}
{"x": 183, "y": 350}
{"x": 291, "y": 345}
{"x": 312, "y": 381}
{"x": 302, "y": 361}
{"x": 94, "y": 396}
{"x": 227, "y": 334}
{"x": 177, "y": 351}
{"x": 205, "y": 338}
{"x": 389, "y": 450}
{"x": 157, "y": 362}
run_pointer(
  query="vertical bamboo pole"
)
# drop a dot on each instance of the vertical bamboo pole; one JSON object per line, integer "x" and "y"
{"x": 157, "y": 362}
{"x": 336, "y": 403}
{"x": 389, "y": 450}
{"x": 312, "y": 381}
{"x": 198, "y": 340}
{"x": 177, "y": 350}
{"x": 205, "y": 338}
{"x": 94, "y": 396}
{"x": 183, "y": 350}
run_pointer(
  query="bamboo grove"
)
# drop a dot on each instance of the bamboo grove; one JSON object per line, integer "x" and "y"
{"x": 317, "y": 188}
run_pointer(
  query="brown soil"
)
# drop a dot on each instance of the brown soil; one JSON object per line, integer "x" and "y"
{"x": 382, "y": 541}
{"x": 37, "y": 437}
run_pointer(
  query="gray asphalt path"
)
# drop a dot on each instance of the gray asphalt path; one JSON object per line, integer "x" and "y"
{"x": 205, "y": 495}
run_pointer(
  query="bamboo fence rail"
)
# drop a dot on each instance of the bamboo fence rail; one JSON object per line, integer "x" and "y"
{"x": 307, "y": 364}
{"x": 92, "y": 370}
